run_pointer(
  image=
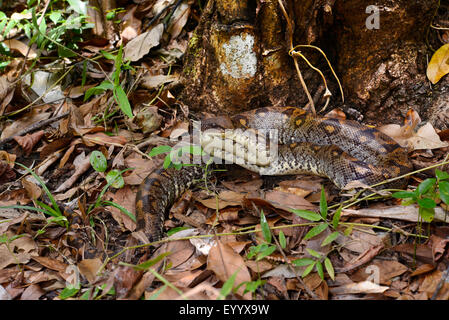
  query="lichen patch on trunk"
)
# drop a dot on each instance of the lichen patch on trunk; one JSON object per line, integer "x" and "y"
{"x": 240, "y": 58}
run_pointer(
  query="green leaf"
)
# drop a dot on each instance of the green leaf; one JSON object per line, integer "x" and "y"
{"x": 107, "y": 55}
{"x": 348, "y": 230}
{"x": 149, "y": 263}
{"x": 110, "y": 15}
{"x": 68, "y": 292}
{"x": 50, "y": 210}
{"x": 44, "y": 187}
{"x": 159, "y": 150}
{"x": 266, "y": 252}
{"x": 336, "y": 217}
{"x": 427, "y": 203}
{"x": 282, "y": 240}
{"x": 441, "y": 175}
{"x": 427, "y": 214}
{"x": 123, "y": 102}
{"x": 55, "y": 16}
{"x": 175, "y": 230}
{"x": 4, "y": 64}
{"x": 329, "y": 268}
{"x": 407, "y": 202}
{"x": 444, "y": 191}
{"x": 78, "y": 6}
{"x": 303, "y": 262}
{"x": 308, "y": 269}
{"x": 192, "y": 149}
{"x": 306, "y": 214}
{"x": 319, "y": 269}
{"x": 330, "y": 238}
{"x": 115, "y": 178}
{"x": 98, "y": 161}
{"x": 403, "y": 195}
{"x": 425, "y": 186}
{"x": 227, "y": 286}
{"x": 265, "y": 227}
{"x": 65, "y": 52}
{"x": 315, "y": 231}
{"x": 251, "y": 286}
{"x": 323, "y": 203}
{"x": 105, "y": 85}
{"x": 167, "y": 161}
{"x": 314, "y": 253}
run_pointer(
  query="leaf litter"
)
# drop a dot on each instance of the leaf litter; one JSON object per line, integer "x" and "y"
{"x": 91, "y": 250}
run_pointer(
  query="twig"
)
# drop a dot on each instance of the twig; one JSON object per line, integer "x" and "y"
{"x": 290, "y": 34}
{"x": 33, "y": 127}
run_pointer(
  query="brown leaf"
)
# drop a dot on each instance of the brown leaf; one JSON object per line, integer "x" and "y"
{"x": 34, "y": 192}
{"x": 103, "y": 139}
{"x": 439, "y": 64}
{"x": 33, "y": 292}
{"x": 51, "y": 263}
{"x": 28, "y": 141}
{"x": 27, "y": 120}
{"x": 249, "y": 186}
{"x": 430, "y": 283}
{"x": 424, "y": 268}
{"x": 6, "y": 172}
{"x": 16, "y": 45}
{"x": 439, "y": 246}
{"x": 89, "y": 267}
{"x": 408, "y": 136}
{"x": 224, "y": 262}
{"x": 124, "y": 197}
{"x": 141, "y": 45}
{"x": 386, "y": 269}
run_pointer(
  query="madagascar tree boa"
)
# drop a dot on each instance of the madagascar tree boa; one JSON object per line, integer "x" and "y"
{"x": 343, "y": 150}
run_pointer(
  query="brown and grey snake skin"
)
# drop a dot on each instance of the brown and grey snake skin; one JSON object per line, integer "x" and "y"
{"x": 342, "y": 150}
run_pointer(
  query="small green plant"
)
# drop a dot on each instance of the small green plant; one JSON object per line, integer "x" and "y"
{"x": 67, "y": 26}
{"x": 317, "y": 263}
{"x": 51, "y": 210}
{"x": 173, "y": 154}
{"x": 427, "y": 194}
{"x": 114, "y": 178}
{"x": 120, "y": 96}
{"x": 323, "y": 224}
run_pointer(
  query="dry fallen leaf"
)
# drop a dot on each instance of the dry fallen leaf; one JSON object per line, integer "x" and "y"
{"x": 224, "y": 262}
{"x": 408, "y": 137}
{"x": 439, "y": 64}
{"x": 16, "y": 45}
{"x": 89, "y": 268}
{"x": 6, "y": 172}
{"x": 141, "y": 45}
{"x": 360, "y": 287}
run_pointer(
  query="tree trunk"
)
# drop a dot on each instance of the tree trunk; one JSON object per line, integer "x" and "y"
{"x": 238, "y": 58}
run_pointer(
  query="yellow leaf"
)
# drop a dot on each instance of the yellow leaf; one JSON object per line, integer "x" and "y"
{"x": 439, "y": 64}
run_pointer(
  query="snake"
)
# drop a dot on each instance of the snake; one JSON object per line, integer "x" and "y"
{"x": 346, "y": 152}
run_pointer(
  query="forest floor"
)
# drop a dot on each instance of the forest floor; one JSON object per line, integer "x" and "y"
{"x": 85, "y": 100}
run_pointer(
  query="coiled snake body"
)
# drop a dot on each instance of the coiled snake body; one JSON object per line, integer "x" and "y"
{"x": 342, "y": 150}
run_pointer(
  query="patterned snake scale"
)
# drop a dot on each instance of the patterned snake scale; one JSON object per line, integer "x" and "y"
{"x": 342, "y": 150}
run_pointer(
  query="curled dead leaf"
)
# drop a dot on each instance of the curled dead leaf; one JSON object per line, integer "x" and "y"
{"x": 16, "y": 45}
{"x": 6, "y": 172}
{"x": 28, "y": 141}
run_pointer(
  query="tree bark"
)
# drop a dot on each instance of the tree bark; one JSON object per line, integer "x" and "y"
{"x": 238, "y": 58}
